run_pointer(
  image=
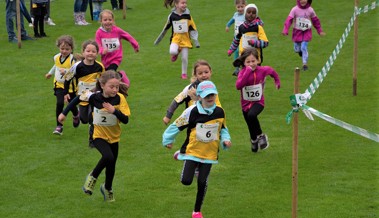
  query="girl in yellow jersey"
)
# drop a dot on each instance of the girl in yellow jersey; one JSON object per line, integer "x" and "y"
{"x": 63, "y": 61}
{"x": 85, "y": 74}
{"x": 183, "y": 29}
{"x": 201, "y": 71}
{"x": 206, "y": 131}
{"x": 109, "y": 108}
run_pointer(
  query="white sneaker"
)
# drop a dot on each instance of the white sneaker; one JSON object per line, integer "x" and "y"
{"x": 80, "y": 23}
{"x": 31, "y": 24}
{"x": 50, "y": 22}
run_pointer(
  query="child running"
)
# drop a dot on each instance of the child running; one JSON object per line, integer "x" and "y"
{"x": 237, "y": 19}
{"x": 63, "y": 61}
{"x": 250, "y": 33}
{"x": 183, "y": 29}
{"x": 202, "y": 71}
{"x": 109, "y": 108}
{"x": 108, "y": 37}
{"x": 85, "y": 74}
{"x": 304, "y": 17}
{"x": 206, "y": 131}
{"x": 251, "y": 83}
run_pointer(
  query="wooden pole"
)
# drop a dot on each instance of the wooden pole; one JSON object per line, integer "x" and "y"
{"x": 295, "y": 149}
{"x": 18, "y": 22}
{"x": 124, "y": 9}
{"x": 355, "y": 52}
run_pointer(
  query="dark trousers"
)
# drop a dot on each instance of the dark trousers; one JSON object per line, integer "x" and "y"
{"x": 59, "y": 94}
{"x": 251, "y": 119}
{"x": 109, "y": 154}
{"x": 188, "y": 172}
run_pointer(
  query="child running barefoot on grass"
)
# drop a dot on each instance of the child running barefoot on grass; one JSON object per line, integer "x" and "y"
{"x": 109, "y": 108}
{"x": 183, "y": 29}
{"x": 251, "y": 82}
{"x": 109, "y": 37}
{"x": 202, "y": 71}
{"x": 63, "y": 61}
{"x": 304, "y": 17}
{"x": 206, "y": 131}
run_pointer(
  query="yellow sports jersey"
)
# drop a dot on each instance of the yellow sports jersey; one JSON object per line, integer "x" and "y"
{"x": 61, "y": 67}
{"x": 85, "y": 76}
{"x": 181, "y": 27}
{"x": 203, "y": 132}
{"x": 255, "y": 32}
{"x": 106, "y": 125}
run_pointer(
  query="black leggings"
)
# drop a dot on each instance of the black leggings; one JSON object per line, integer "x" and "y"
{"x": 109, "y": 154}
{"x": 251, "y": 118}
{"x": 59, "y": 93}
{"x": 85, "y": 113}
{"x": 188, "y": 172}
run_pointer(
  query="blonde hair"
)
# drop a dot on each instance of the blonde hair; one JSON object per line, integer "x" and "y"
{"x": 104, "y": 12}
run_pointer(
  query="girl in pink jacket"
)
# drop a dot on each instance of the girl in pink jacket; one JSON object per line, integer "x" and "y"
{"x": 251, "y": 82}
{"x": 109, "y": 36}
{"x": 303, "y": 17}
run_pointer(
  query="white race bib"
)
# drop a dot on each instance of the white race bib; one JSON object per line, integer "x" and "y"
{"x": 58, "y": 76}
{"x": 111, "y": 44}
{"x": 206, "y": 132}
{"x": 180, "y": 26}
{"x": 236, "y": 26}
{"x": 303, "y": 23}
{"x": 103, "y": 118}
{"x": 252, "y": 93}
{"x": 83, "y": 86}
{"x": 246, "y": 38}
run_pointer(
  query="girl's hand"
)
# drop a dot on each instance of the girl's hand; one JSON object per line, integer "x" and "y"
{"x": 169, "y": 146}
{"x": 61, "y": 118}
{"x": 227, "y": 29}
{"x": 136, "y": 49}
{"x": 109, "y": 107}
{"x": 66, "y": 98}
{"x": 47, "y": 76}
{"x": 322, "y": 34}
{"x": 228, "y": 144}
{"x": 166, "y": 120}
{"x": 277, "y": 85}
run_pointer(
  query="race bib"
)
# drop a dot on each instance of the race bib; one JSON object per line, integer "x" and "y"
{"x": 111, "y": 44}
{"x": 303, "y": 23}
{"x": 83, "y": 86}
{"x": 252, "y": 93}
{"x": 236, "y": 26}
{"x": 58, "y": 76}
{"x": 206, "y": 132}
{"x": 245, "y": 38}
{"x": 103, "y": 118}
{"x": 180, "y": 26}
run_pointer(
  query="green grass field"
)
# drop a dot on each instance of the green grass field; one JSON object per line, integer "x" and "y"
{"x": 42, "y": 174}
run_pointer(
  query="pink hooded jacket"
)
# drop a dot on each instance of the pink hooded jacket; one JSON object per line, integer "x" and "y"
{"x": 299, "y": 12}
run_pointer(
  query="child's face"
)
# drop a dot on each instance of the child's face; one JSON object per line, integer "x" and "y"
{"x": 111, "y": 87}
{"x": 208, "y": 101}
{"x": 65, "y": 49}
{"x": 90, "y": 52}
{"x": 181, "y": 5}
{"x": 240, "y": 8}
{"x": 203, "y": 72}
{"x": 251, "y": 61}
{"x": 107, "y": 21}
{"x": 251, "y": 14}
{"x": 303, "y": 2}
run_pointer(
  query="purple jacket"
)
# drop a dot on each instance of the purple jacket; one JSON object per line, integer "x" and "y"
{"x": 296, "y": 16}
{"x": 247, "y": 77}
